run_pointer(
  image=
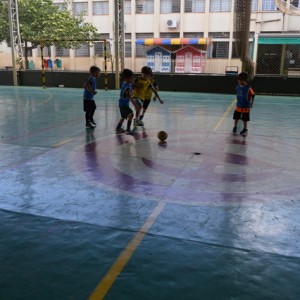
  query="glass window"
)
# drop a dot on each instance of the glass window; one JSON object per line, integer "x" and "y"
{"x": 220, "y": 5}
{"x": 169, "y": 6}
{"x": 194, "y": 6}
{"x": 102, "y": 36}
{"x": 128, "y": 49}
{"x": 269, "y": 5}
{"x": 83, "y": 51}
{"x": 46, "y": 51}
{"x": 61, "y": 6}
{"x": 29, "y": 52}
{"x": 144, "y": 7}
{"x": 254, "y": 5}
{"x": 100, "y": 8}
{"x": 62, "y": 52}
{"x": 195, "y": 35}
{"x": 144, "y": 35}
{"x": 99, "y": 49}
{"x": 140, "y": 51}
{"x": 220, "y": 35}
{"x": 127, "y": 7}
{"x": 296, "y": 3}
{"x": 80, "y": 8}
{"x": 169, "y": 35}
{"x": 220, "y": 49}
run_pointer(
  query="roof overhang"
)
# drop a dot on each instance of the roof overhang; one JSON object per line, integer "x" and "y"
{"x": 175, "y": 41}
{"x": 279, "y": 39}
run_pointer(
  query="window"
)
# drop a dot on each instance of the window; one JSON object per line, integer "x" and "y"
{"x": 254, "y": 5}
{"x": 194, "y": 6}
{"x": 80, "y": 8}
{"x": 169, "y": 6}
{"x": 102, "y": 36}
{"x": 61, "y": 6}
{"x": 144, "y": 36}
{"x": 220, "y": 49}
{"x": 99, "y": 49}
{"x": 219, "y": 35}
{"x": 62, "y": 52}
{"x": 29, "y": 52}
{"x": 128, "y": 49}
{"x": 144, "y": 7}
{"x": 196, "y": 35}
{"x": 83, "y": 51}
{"x": 140, "y": 50}
{"x": 46, "y": 51}
{"x": 127, "y": 7}
{"x": 127, "y": 36}
{"x": 169, "y": 35}
{"x": 220, "y": 5}
{"x": 235, "y": 52}
{"x": 269, "y": 5}
{"x": 100, "y": 8}
{"x": 296, "y": 3}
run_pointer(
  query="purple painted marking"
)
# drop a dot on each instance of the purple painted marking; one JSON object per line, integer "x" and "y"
{"x": 98, "y": 167}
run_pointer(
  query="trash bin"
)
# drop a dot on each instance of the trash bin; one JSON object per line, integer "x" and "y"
{"x": 45, "y": 62}
{"x": 58, "y": 63}
{"x": 30, "y": 65}
{"x": 50, "y": 64}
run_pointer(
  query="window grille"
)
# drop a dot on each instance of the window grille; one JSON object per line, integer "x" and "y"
{"x": 100, "y": 8}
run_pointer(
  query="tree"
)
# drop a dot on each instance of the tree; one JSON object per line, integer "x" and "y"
{"x": 42, "y": 22}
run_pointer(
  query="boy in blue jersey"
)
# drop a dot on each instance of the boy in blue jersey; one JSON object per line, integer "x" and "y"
{"x": 89, "y": 105}
{"x": 245, "y": 100}
{"x": 124, "y": 100}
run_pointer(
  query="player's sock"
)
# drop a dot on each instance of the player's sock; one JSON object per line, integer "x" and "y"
{"x": 141, "y": 117}
{"x": 128, "y": 125}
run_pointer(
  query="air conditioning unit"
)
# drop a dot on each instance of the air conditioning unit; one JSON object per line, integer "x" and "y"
{"x": 172, "y": 23}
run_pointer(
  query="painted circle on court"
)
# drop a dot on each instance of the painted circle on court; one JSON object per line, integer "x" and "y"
{"x": 192, "y": 167}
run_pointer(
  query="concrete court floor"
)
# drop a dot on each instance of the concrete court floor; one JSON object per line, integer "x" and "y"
{"x": 88, "y": 214}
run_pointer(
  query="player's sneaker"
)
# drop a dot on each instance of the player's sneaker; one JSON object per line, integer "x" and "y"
{"x": 234, "y": 130}
{"x": 89, "y": 125}
{"x": 92, "y": 125}
{"x": 129, "y": 132}
{"x": 120, "y": 130}
{"x": 139, "y": 123}
{"x": 244, "y": 131}
{"x": 141, "y": 117}
{"x": 93, "y": 122}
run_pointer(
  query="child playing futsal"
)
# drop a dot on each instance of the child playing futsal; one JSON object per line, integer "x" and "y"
{"x": 89, "y": 105}
{"x": 148, "y": 94}
{"x": 124, "y": 100}
{"x": 140, "y": 86}
{"x": 245, "y": 100}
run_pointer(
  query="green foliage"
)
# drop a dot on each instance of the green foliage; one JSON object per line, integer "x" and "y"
{"x": 41, "y": 21}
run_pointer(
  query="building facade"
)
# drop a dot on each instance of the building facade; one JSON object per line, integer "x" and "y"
{"x": 274, "y": 38}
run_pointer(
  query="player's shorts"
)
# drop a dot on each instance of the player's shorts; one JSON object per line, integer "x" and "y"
{"x": 125, "y": 111}
{"x": 146, "y": 103}
{"x": 245, "y": 116}
{"x": 138, "y": 101}
{"x": 89, "y": 105}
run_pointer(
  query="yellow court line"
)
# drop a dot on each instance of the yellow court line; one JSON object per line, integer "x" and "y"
{"x": 224, "y": 115}
{"x": 108, "y": 280}
{"x": 63, "y": 142}
{"x": 110, "y": 277}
